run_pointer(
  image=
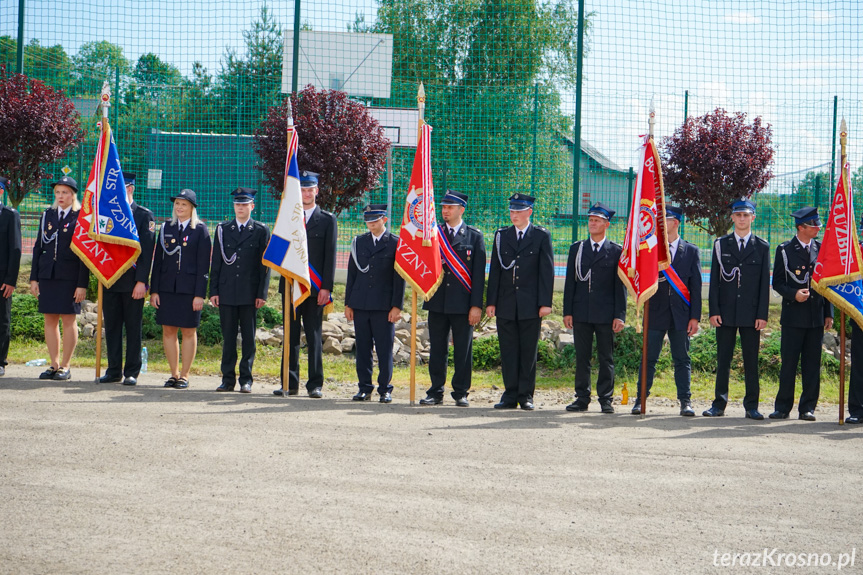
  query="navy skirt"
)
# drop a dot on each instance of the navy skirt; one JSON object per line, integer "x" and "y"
{"x": 175, "y": 310}
{"x": 58, "y": 297}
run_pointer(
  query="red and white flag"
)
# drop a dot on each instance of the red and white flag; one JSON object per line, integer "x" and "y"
{"x": 418, "y": 257}
{"x": 645, "y": 246}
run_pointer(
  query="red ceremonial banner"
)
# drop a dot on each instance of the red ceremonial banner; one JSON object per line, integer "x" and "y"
{"x": 418, "y": 257}
{"x": 645, "y": 246}
{"x": 839, "y": 256}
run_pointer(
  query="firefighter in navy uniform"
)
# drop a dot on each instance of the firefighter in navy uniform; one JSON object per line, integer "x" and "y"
{"x": 738, "y": 300}
{"x": 457, "y": 304}
{"x": 238, "y": 286}
{"x": 321, "y": 235}
{"x": 520, "y": 289}
{"x": 594, "y": 303}
{"x": 10, "y": 261}
{"x": 805, "y": 316}
{"x": 671, "y": 314}
{"x": 374, "y": 296}
{"x": 123, "y": 302}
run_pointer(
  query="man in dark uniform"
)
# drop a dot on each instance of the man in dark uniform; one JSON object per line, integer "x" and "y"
{"x": 520, "y": 289}
{"x": 855, "y": 380}
{"x": 675, "y": 309}
{"x": 238, "y": 286}
{"x": 457, "y": 304}
{"x": 123, "y": 303}
{"x": 805, "y": 316}
{"x": 594, "y": 302}
{"x": 321, "y": 234}
{"x": 374, "y": 295}
{"x": 10, "y": 260}
{"x": 738, "y": 300}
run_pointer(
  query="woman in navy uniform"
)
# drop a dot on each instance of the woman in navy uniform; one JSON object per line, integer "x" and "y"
{"x": 10, "y": 260}
{"x": 238, "y": 286}
{"x": 374, "y": 295}
{"x": 179, "y": 283}
{"x": 58, "y": 277}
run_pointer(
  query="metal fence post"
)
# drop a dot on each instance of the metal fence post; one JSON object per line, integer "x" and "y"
{"x": 19, "y": 55}
{"x": 535, "y": 127}
{"x": 576, "y": 135}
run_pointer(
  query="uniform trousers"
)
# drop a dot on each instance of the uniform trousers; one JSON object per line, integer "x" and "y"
{"x": 373, "y": 327}
{"x": 234, "y": 318}
{"x": 121, "y": 312}
{"x": 312, "y": 316}
{"x": 855, "y": 384}
{"x": 679, "y": 344}
{"x": 440, "y": 325}
{"x": 583, "y": 333}
{"x": 5, "y": 327}
{"x": 519, "y": 340}
{"x": 726, "y": 338}
{"x": 803, "y": 345}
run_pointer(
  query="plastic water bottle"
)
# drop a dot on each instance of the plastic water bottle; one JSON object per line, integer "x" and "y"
{"x": 144, "y": 357}
{"x": 36, "y": 362}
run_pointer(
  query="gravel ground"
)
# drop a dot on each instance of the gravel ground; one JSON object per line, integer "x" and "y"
{"x": 109, "y": 479}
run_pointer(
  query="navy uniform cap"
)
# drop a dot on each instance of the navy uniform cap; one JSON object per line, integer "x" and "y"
{"x": 675, "y": 212}
{"x": 129, "y": 178}
{"x": 454, "y": 198}
{"x": 3, "y": 182}
{"x": 520, "y": 202}
{"x": 742, "y": 205}
{"x": 374, "y": 212}
{"x": 66, "y": 181}
{"x": 188, "y": 195}
{"x": 600, "y": 210}
{"x": 244, "y": 195}
{"x": 807, "y": 215}
{"x": 308, "y": 179}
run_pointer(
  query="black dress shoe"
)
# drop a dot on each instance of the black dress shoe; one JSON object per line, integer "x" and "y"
{"x": 225, "y": 387}
{"x": 362, "y": 396}
{"x": 63, "y": 374}
{"x": 281, "y": 392}
{"x": 130, "y": 381}
{"x": 431, "y": 400}
{"x": 713, "y": 412}
{"x": 636, "y": 408}
{"x": 854, "y": 420}
{"x": 503, "y": 405}
{"x": 172, "y": 381}
{"x": 686, "y": 408}
{"x": 245, "y": 388}
{"x": 778, "y": 415}
{"x": 606, "y": 407}
{"x": 462, "y": 402}
{"x": 2, "y": 370}
{"x": 527, "y": 405}
{"x": 386, "y": 398}
{"x": 807, "y": 416}
{"x": 576, "y": 406}
{"x": 316, "y": 393}
{"x": 754, "y": 414}
{"x": 48, "y": 373}
{"x": 110, "y": 379}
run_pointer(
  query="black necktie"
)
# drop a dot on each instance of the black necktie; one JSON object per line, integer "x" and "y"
{"x": 807, "y": 249}
{"x": 742, "y": 245}
{"x": 520, "y": 234}
{"x": 241, "y": 227}
{"x": 595, "y": 248}
{"x": 451, "y": 234}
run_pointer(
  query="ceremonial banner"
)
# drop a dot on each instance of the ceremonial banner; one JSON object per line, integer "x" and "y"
{"x": 418, "y": 257}
{"x": 106, "y": 238}
{"x": 645, "y": 245}
{"x": 287, "y": 252}
{"x": 838, "y": 275}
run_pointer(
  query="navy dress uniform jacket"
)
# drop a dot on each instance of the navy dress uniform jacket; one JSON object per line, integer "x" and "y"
{"x": 381, "y": 288}
{"x": 321, "y": 234}
{"x": 787, "y": 280}
{"x": 140, "y": 272}
{"x": 667, "y": 308}
{"x": 519, "y": 292}
{"x": 189, "y": 274}
{"x": 66, "y": 265}
{"x": 452, "y": 297}
{"x": 10, "y": 254}
{"x": 601, "y": 298}
{"x": 743, "y": 297}
{"x": 247, "y": 278}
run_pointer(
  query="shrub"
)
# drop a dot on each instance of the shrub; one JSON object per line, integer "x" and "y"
{"x": 27, "y": 322}
{"x": 486, "y": 353}
{"x": 269, "y": 317}
{"x": 149, "y": 328}
{"x": 210, "y": 330}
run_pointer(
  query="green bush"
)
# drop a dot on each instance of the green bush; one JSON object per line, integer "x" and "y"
{"x": 269, "y": 317}
{"x": 149, "y": 328}
{"x": 92, "y": 288}
{"x": 27, "y": 322}
{"x": 486, "y": 353}
{"x": 210, "y": 330}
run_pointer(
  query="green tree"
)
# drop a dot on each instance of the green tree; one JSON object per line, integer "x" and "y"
{"x": 813, "y": 190}
{"x": 96, "y": 62}
{"x": 857, "y": 179}
{"x": 49, "y": 64}
{"x": 153, "y": 77}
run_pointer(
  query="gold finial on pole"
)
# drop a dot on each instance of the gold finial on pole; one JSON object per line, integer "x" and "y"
{"x": 843, "y": 141}
{"x": 651, "y": 119}
{"x": 105, "y": 96}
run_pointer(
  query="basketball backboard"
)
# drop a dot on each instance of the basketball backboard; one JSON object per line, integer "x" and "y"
{"x": 399, "y": 124}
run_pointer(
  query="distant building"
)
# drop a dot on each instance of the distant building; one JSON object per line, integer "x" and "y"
{"x": 601, "y": 180}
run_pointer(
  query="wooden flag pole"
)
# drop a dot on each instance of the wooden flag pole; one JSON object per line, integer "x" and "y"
{"x": 421, "y": 104}
{"x": 287, "y": 308}
{"x": 99, "y": 334}
{"x": 643, "y": 383}
{"x": 843, "y": 140}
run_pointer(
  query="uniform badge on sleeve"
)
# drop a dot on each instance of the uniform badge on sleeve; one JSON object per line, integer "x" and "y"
{"x": 153, "y": 226}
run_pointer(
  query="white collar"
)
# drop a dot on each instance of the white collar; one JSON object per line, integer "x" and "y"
{"x": 457, "y": 228}
{"x": 308, "y": 213}
{"x": 522, "y": 230}
{"x": 378, "y": 238}
{"x": 182, "y": 225}
{"x": 744, "y": 238}
{"x": 243, "y": 224}
{"x": 600, "y": 242}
